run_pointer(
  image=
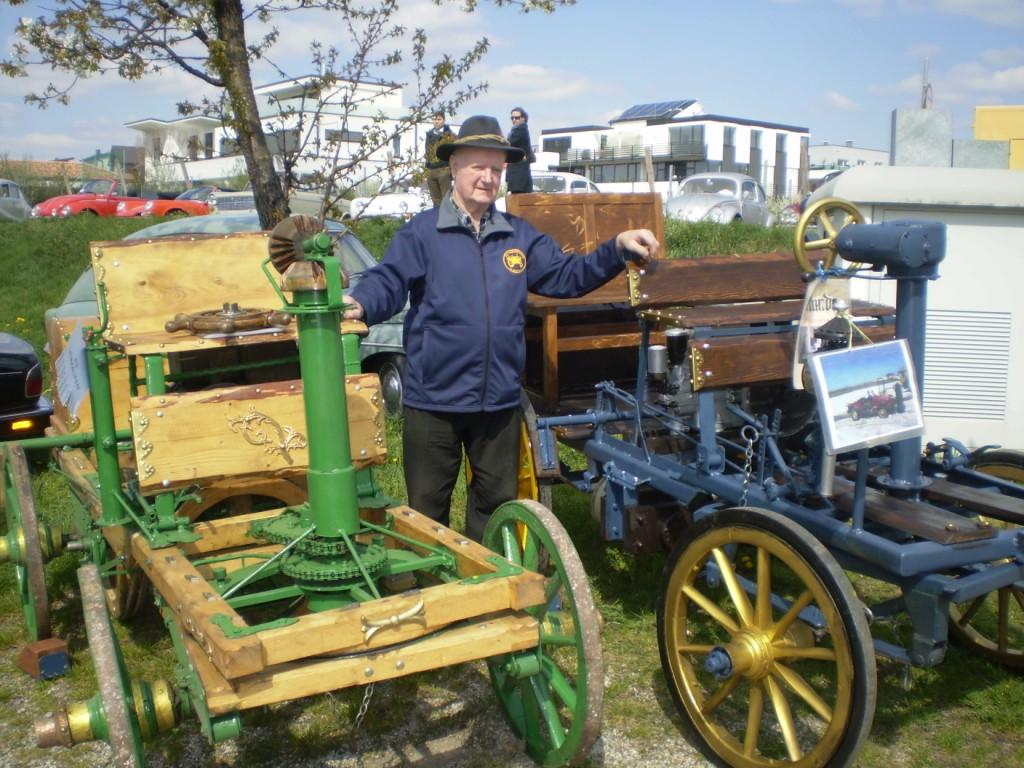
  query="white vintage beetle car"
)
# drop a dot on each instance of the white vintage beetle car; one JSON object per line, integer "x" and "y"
{"x": 721, "y": 198}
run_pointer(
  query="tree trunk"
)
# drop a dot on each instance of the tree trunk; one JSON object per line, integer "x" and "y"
{"x": 230, "y": 59}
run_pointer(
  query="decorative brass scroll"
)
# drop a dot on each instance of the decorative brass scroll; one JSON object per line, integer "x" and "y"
{"x": 252, "y": 427}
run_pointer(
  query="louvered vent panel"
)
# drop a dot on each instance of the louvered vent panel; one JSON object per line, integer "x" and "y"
{"x": 967, "y": 358}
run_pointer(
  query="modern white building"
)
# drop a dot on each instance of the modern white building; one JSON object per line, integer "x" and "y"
{"x": 681, "y": 139}
{"x": 328, "y": 127}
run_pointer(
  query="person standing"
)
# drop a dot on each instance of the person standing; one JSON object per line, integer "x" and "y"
{"x": 517, "y": 176}
{"x": 439, "y": 176}
{"x": 465, "y": 269}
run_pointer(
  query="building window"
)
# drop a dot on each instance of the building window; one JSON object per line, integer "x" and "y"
{"x": 396, "y": 145}
{"x": 755, "y": 139}
{"x": 228, "y": 146}
{"x": 343, "y": 135}
{"x": 686, "y": 139}
{"x": 193, "y": 147}
{"x": 158, "y": 146}
{"x": 208, "y": 144}
{"x": 560, "y": 145}
{"x": 281, "y": 142}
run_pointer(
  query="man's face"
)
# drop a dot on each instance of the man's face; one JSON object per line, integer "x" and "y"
{"x": 476, "y": 174}
{"x": 438, "y": 122}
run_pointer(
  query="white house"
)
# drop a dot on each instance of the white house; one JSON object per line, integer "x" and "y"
{"x": 682, "y": 140}
{"x": 202, "y": 149}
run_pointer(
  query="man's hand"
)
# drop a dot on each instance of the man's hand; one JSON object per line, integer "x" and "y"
{"x": 354, "y": 312}
{"x": 638, "y": 245}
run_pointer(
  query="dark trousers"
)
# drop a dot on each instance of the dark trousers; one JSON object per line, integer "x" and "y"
{"x": 432, "y": 445}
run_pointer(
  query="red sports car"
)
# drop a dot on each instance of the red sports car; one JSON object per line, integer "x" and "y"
{"x": 99, "y": 198}
{"x": 191, "y": 202}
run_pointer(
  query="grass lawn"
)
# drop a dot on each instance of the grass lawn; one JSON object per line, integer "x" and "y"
{"x": 965, "y": 712}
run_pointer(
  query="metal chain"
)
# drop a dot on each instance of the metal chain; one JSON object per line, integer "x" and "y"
{"x": 750, "y": 435}
{"x": 365, "y": 705}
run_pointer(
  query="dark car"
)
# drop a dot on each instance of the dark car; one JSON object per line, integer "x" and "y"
{"x": 24, "y": 411}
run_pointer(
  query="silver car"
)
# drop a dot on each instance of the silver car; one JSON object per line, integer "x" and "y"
{"x": 13, "y": 206}
{"x": 722, "y": 198}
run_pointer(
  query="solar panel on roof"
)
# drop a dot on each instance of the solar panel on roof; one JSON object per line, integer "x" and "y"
{"x": 653, "y": 110}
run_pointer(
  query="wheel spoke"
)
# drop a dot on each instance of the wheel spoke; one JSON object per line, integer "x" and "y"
{"x": 966, "y": 616}
{"x": 816, "y": 654}
{"x": 510, "y": 545}
{"x": 531, "y": 713}
{"x": 817, "y": 245}
{"x": 825, "y": 219}
{"x": 695, "y": 648}
{"x": 561, "y": 686}
{"x": 720, "y": 695}
{"x": 552, "y": 586}
{"x": 764, "y": 588}
{"x": 531, "y": 549}
{"x": 754, "y": 713}
{"x": 802, "y": 688}
{"x": 1018, "y": 595}
{"x": 785, "y": 719}
{"x": 794, "y": 610}
{"x": 711, "y": 609}
{"x": 737, "y": 595}
{"x": 548, "y": 711}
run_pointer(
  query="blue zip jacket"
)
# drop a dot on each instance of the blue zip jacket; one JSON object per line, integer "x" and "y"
{"x": 464, "y": 331}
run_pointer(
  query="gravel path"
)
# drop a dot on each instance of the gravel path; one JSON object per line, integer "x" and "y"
{"x": 455, "y": 722}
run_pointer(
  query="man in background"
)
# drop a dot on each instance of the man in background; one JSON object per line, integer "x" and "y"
{"x": 439, "y": 176}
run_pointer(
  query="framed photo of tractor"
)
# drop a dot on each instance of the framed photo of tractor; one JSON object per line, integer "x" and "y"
{"x": 866, "y": 396}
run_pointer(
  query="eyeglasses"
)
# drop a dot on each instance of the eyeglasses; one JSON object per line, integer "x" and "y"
{"x": 516, "y": 117}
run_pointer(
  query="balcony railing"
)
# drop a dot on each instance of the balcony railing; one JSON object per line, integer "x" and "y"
{"x": 674, "y": 151}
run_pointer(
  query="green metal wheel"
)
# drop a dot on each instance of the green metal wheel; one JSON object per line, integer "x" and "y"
{"x": 992, "y": 625}
{"x": 552, "y": 694}
{"x": 24, "y": 547}
{"x": 123, "y": 733}
{"x": 755, "y": 684}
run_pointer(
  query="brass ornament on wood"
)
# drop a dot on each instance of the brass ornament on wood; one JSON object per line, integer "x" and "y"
{"x": 250, "y": 426}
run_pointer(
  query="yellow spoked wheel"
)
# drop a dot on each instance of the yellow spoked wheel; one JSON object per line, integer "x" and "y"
{"x": 993, "y": 624}
{"x": 829, "y": 215}
{"x": 764, "y": 644}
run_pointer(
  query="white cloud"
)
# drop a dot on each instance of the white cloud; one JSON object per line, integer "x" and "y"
{"x": 528, "y": 82}
{"x": 836, "y": 100}
{"x": 1002, "y": 57}
{"x": 999, "y": 12}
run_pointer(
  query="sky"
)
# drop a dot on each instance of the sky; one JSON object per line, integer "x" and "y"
{"x": 835, "y": 67}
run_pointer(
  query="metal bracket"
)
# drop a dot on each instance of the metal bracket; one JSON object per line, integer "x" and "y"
{"x": 696, "y": 368}
{"x": 373, "y": 626}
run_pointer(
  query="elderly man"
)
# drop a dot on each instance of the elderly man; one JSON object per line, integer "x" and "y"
{"x": 465, "y": 269}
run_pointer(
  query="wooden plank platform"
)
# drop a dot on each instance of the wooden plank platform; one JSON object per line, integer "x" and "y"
{"x": 495, "y": 635}
{"x": 995, "y": 505}
{"x": 917, "y": 518}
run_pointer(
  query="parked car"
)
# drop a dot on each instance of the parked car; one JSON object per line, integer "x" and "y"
{"x": 98, "y": 198}
{"x": 394, "y": 201}
{"x": 24, "y": 410}
{"x": 557, "y": 182}
{"x": 722, "y": 198}
{"x": 381, "y": 351}
{"x": 13, "y": 206}
{"x": 191, "y": 202}
{"x": 299, "y": 201}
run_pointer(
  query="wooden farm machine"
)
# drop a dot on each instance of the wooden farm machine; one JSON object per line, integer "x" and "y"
{"x": 334, "y": 586}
